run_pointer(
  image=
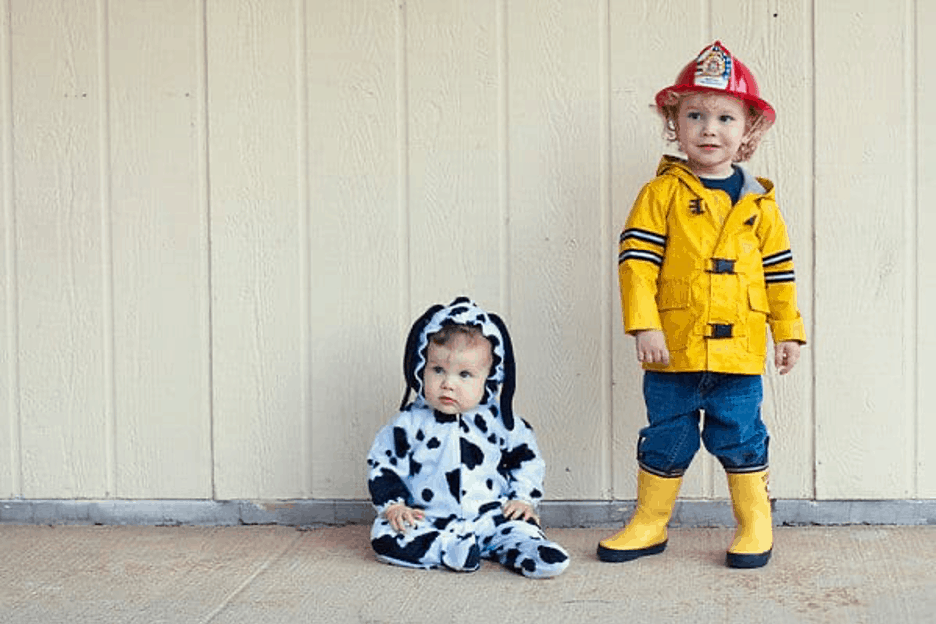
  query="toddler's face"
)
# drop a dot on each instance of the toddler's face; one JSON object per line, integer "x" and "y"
{"x": 710, "y": 129}
{"x": 455, "y": 373}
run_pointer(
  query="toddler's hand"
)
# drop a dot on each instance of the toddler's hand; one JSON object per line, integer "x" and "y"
{"x": 400, "y": 517}
{"x": 651, "y": 347}
{"x": 786, "y": 354}
{"x": 519, "y": 510}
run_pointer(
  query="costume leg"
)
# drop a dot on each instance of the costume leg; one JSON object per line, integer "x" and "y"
{"x": 430, "y": 544}
{"x": 521, "y": 546}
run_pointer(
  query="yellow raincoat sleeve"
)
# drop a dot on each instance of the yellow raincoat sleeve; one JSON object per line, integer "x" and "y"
{"x": 640, "y": 255}
{"x": 784, "y": 318}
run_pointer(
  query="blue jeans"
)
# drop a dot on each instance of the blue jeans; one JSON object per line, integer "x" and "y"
{"x": 733, "y": 430}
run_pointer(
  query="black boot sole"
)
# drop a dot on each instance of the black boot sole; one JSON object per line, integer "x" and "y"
{"x": 617, "y": 556}
{"x": 746, "y": 561}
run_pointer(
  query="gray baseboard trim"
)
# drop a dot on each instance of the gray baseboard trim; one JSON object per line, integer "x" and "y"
{"x": 329, "y": 512}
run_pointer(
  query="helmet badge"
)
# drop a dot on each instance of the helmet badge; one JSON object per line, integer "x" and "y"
{"x": 713, "y": 68}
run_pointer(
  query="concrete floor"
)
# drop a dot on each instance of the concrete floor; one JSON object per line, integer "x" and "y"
{"x": 256, "y": 574}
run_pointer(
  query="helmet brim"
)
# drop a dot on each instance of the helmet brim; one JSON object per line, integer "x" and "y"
{"x": 760, "y": 105}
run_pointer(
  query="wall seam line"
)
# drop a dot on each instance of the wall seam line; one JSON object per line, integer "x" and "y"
{"x": 305, "y": 269}
{"x": 606, "y": 248}
{"x": 403, "y": 190}
{"x": 204, "y": 191}
{"x": 12, "y": 295}
{"x": 911, "y": 226}
{"x": 811, "y": 189}
{"x": 503, "y": 128}
{"x": 107, "y": 248}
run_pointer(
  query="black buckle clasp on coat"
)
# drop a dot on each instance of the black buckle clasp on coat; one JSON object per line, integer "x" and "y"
{"x": 722, "y": 266}
{"x": 720, "y": 330}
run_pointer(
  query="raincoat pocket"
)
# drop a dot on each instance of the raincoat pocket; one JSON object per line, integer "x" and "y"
{"x": 673, "y": 303}
{"x": 757, "y": 319}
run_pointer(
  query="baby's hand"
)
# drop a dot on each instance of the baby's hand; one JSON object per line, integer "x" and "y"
{"x": 400, "y": 516}
{"x": 786, "y": 355}
{"x": 651, "y": 347}
{"x": 519, "y": 510}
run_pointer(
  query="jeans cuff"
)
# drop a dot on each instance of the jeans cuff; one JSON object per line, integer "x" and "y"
{"x": 666, "y": 474}
{"x": 745, "y": 469}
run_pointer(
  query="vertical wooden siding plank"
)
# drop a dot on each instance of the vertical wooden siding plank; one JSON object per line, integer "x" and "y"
{"x": 926, "y": 252}
{"x": 160, "y": 253}
{"x": 357, "y": 348}
{"x": 10, "y": 455}
{"x": 557, "y": 235}
{"x": 864, "y": 418}
{"x": 59, "y": 248}
{"x": 773, "y": 39}
{"x": 453, "y": 153}
{"x": 256, "y": 249}
{"x": 650, "y": 43}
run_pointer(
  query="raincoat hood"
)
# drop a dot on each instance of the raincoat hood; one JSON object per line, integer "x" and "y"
{"x": 678, "y": 167}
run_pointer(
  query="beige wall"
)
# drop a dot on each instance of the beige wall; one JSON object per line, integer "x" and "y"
{"x": 219, "y": 217}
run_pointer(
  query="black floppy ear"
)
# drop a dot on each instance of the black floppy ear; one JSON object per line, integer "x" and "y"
{"x": 510, "y": 374}
{"x": 410, "y": 353}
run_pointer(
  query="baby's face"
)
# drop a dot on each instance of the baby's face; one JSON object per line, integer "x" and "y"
{"x": 455, "y": 373}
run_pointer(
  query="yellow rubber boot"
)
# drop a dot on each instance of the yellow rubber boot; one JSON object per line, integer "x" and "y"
{"x": 753, "y": 541}
{"x": 645, "y": 533}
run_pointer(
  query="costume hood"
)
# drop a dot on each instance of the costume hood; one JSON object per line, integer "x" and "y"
{"x": 463, "y": 311}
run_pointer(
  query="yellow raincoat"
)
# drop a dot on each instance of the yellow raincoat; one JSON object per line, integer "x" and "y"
{"x": 709, "y": 274}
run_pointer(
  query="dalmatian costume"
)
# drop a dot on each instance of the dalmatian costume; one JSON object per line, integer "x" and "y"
{"x": 460, "y": 469}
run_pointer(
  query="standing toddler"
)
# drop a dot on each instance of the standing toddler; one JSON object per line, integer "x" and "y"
{"x": 705, "y": 267}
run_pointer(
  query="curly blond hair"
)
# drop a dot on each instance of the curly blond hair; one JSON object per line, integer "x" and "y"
{"x": 756, "y": 124}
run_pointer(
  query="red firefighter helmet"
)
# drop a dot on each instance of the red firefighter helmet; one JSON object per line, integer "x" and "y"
{"x": 715, "y": 70}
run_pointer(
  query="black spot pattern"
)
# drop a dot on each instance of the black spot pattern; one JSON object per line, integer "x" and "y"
{"x": 427, "y": 495}
{"x": 471, "y": 455}
{"x": 551, "y": 555}
{"x": 480, "y": 423}
{"x": 443, "y": 418}
{"x": 454, "y": 483}
{"x": 486, "y": 507}
{"x": 401, "y": 445}
{"x": 433, "y": 443}
{"x": 387, "y": 486}
{"x": 511, "y": 460}
{"x": 510, "y": 560}
{"x": 390, "y": 546}
{"x": 474, "y": 558}
{"x": 414, "y": 466}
